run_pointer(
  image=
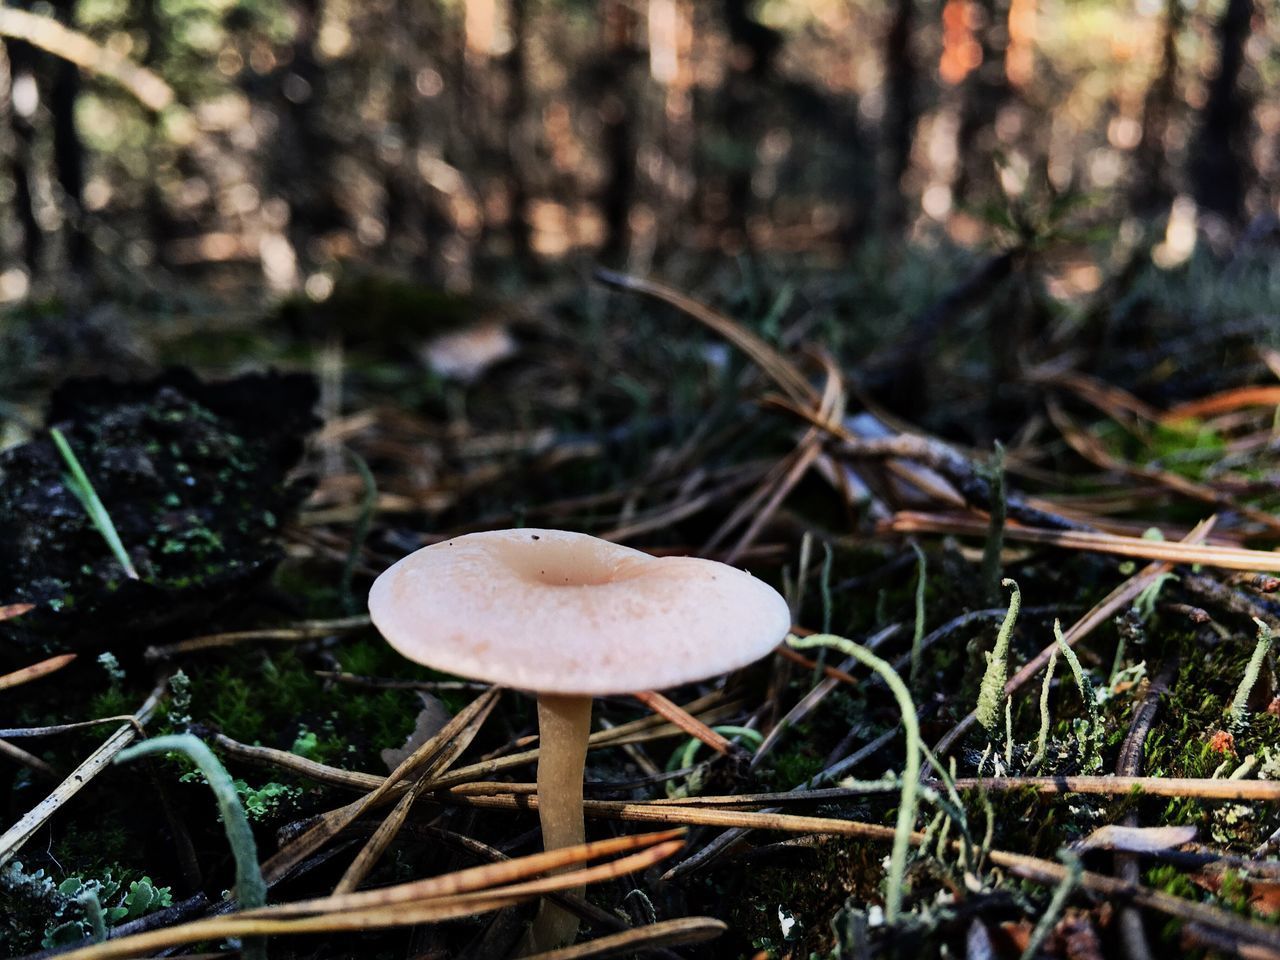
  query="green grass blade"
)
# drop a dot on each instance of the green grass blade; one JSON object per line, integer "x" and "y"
{"x": 78, "y": 483}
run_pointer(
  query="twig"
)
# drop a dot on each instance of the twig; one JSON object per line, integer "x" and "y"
{"x": 456, "y": 737}
{"x": 300, "y": 632}
{"x": 95, "y": 763}
{"x": 1132, "y": 935}
{"x": 645, "y": 729}
{"x": 1028, "y": 867}
{"x": 51, "y": 36}
{"x": 439, "y": 751}
{"x": 781, "y": 370}
{"x": 1199, "y": 789}
{"x": 18, "y": 755}
{"x": 666, "y": 933}
{"x": 1170, "y": 551}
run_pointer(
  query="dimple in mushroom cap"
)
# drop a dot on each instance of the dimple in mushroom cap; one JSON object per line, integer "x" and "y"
{"x": 567, "y": 613}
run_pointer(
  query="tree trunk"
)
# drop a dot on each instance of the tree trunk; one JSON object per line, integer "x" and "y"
{"x": 1221, "y": 168}
{"x": 750, "y": 63}
{"x": 985, "y": 91}
{"x": 617, "y": 116}
{"x": 899, "y": 117}
{"x": 1153, "y": 188}
{"x": 68, "y": 151}
{"x": 514, "y": 106}
{"x": 21, "y": 69}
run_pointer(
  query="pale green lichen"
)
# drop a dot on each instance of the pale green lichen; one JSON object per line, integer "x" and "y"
{"x": 994, "y": 472}
{"x": 991, "y": 691}
{"x": 911, "y": 765}
{"x": 1091, "y": 729}
{"x": 1239, "y": 708}
{"x": 1042, "y": 738}
{"x": 250, "y": 889}
{"x": 918, "y": 635}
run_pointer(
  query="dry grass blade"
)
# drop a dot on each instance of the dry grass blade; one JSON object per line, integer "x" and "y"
{"x": 298, "y": 633}
{"x": 1224, "y": 402}
{"x": 829, "y": 410}
{"x": 377, "y": 844}
{"x": 1093, "y": 450}
{"x": 1031, "y": 868}
{"x": 485, "y": 877}
{"x": 20, "y": 756}
{"x": 684, "y": 720}
{"x": 1118, "y": 404}
{"x": 1168, "y": 551}
{"x": 710, "y": 709}
{"x": 36, "y": 670}
{"x": 801, "y": 660}
{"x": 441, "y": 749}
{"x": 667, "y": 933}
{"x": 94, "y": 764}
{"x": 68, "y": 727}
{"x": 685, "y": 815}
{"x": 779, "y": 369}
{"x": 752, "y": 504}
{"x": 10, "y": 610}
{"x": 1097, "y": 615}
{"x": 392, "y": 907}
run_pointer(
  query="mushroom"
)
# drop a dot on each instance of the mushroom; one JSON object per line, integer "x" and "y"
{"x": 569, "y": 617}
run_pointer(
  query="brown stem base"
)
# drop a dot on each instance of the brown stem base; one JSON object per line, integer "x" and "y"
{"x": 564, "y": 723}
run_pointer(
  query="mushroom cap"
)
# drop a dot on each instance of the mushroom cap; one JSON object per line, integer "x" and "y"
{"x": 567, "y": 613}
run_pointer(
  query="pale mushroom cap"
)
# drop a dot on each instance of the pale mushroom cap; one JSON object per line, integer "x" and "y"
{"x": 559, "y": 612}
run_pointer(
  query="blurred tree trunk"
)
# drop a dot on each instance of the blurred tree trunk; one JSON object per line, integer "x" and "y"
{"x": 21, "y": 70}
{"x": 498, "y": 99}
{"x": 899, "y": 117}
{"x": 750, "y": 63}
{"x": 68, "y": 151}
{"x": 985, "y": 91}
{"x": 303, "y": 151}
{"x": 1152, "y": 188}
{"x": 617, "y": 114}
{"x": 517, "y": 146}
{"x": 1220, "y": 166}
{"x": 162, "y": 226}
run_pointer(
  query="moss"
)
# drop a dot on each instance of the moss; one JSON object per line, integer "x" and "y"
{"x": 793, "y": 767}
{"x": 277, "y": 698}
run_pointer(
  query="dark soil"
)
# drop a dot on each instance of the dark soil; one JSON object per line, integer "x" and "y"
{"x": 194, "y": 477}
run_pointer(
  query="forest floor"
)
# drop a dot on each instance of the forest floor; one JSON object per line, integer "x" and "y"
{"x": 1093, "y": 774}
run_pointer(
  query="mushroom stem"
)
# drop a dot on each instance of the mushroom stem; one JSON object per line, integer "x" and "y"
{"x": 564, "y": 723}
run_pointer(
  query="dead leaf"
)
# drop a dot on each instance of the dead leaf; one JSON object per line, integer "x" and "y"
{"x": 1263, "y": 895}
{"x": 466, "y": 354}
{"x": 1135, "y": 839}
{"x": 431, "y": 719}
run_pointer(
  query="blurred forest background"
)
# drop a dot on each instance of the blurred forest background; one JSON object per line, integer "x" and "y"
{"x": 479, "y": 143}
